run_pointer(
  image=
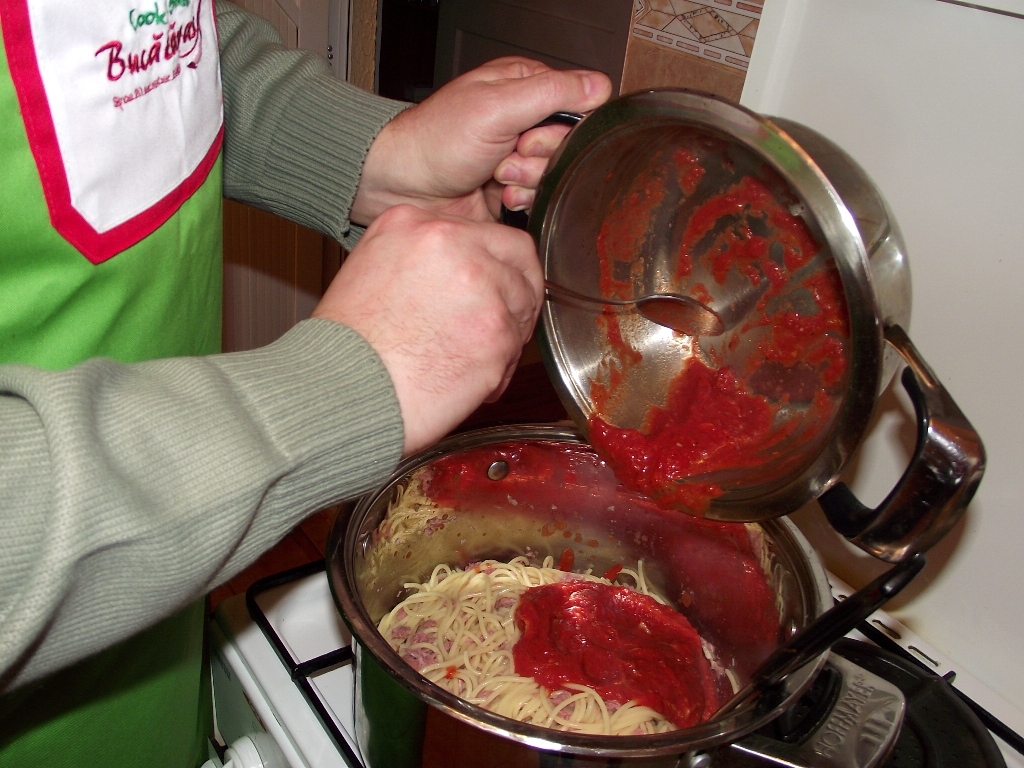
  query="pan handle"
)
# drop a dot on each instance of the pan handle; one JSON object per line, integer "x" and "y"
{"x": 818, "y": 636}
{"x": 936, "y": 487}
{"x": 519, "y": 219}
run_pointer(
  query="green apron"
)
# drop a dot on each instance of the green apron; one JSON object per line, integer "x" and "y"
{"x": 146, "y": 702}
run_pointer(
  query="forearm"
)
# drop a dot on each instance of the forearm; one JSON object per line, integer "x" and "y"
{"x": 128, "y": 491}
{"x": 295, "y": 136}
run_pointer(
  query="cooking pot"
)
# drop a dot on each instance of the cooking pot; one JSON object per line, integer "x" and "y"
{"x": 622, "y": 150}
{"x": 526, "y": 488}
{"x": 538, "y": 489}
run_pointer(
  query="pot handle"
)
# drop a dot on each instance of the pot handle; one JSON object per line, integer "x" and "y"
{"x": 818, "y": 636}
{"x": 936, "y": 487}
{"x": 518, "y": 219}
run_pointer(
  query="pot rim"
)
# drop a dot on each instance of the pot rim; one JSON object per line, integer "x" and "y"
{"x": 345, "y": 544}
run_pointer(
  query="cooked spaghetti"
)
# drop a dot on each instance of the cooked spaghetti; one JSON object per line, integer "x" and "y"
{"x": 458, "y": 630}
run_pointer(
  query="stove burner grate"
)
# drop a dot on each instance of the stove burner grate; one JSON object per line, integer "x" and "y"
{"x": 939, "y": 730}
{"x": 301, "y": 672}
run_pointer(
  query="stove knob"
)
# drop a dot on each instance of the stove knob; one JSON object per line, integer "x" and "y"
{"x": 257, "y": 750}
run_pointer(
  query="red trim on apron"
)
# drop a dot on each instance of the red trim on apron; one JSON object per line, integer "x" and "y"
{"x": 96, "y": 246}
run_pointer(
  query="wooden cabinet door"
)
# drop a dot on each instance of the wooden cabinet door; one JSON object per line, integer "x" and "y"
{"x": 274, "y": 273}
{"x": 564, "y": 34}
{"x": 301, "y": 23}
{"x": 275, "y": 270}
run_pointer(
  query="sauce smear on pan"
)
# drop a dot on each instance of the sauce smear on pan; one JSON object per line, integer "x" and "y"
{"x": 720, "y": 417}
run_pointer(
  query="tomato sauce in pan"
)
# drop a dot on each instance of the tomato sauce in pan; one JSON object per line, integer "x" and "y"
{"x": 719, "y": 417}
{"x": 713, "y": 570}
{"x": 623, "y": 644}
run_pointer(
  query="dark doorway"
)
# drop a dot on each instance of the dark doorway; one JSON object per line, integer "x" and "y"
{"x": 408, "y": 36}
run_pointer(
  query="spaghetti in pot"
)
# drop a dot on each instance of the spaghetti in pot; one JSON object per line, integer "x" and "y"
{"x": 461, "y": 629}
{"x": 458, "y": 630}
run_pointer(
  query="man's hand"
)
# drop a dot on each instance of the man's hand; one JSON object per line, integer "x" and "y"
{"x": 447, "y": 303}
{"x": 464, "y": 150}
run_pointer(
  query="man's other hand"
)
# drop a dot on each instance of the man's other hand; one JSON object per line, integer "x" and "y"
{"x": 469, "y": 146}
{"x": 447, "y": 303}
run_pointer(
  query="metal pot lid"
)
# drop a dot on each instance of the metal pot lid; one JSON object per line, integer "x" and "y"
{"x": 675, "y": 191}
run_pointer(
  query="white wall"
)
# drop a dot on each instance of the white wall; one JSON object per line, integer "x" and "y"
{"x": 929, "y": 97}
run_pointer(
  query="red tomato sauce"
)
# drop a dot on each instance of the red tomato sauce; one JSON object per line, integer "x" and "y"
{"x": 566, "y": 559}
{"x": 712, "y": 570}
{"x": 708, "y": 424}
{"x": 612, "y": 572}
{"x": 623, "y": 644}
{"x": 722, "y": 417}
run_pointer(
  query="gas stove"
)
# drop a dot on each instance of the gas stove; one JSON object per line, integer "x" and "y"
{"x": 284, "y": 694}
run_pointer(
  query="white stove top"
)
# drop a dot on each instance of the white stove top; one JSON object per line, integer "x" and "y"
{"x": 305, "y": 618}
{"x": 254, "y": 691}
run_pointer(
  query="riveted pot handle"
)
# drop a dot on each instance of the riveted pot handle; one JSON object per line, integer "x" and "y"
{"x": 519, "y": 219}
{"x": 936, "y": 487}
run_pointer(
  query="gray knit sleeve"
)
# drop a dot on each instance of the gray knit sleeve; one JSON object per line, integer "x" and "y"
{"x": 127, "y": 491}
{"x": 295, "y": 137}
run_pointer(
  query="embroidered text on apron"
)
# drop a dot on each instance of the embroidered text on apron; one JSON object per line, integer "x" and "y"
{"x": 123, "y": 114}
